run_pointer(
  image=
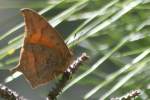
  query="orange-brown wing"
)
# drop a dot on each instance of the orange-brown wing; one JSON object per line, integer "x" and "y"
{"x": 44, "y": 54}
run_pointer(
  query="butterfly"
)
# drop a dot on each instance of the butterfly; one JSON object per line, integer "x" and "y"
{"x": 44, "y": 54}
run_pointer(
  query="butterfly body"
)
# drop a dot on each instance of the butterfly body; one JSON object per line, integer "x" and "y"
{"x": 44, "y": 55}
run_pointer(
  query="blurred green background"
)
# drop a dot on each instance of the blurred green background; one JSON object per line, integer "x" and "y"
{"x": 114, "y": 33}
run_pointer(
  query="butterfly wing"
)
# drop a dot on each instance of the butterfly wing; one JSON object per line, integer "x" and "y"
{"x": 44, "y": 54}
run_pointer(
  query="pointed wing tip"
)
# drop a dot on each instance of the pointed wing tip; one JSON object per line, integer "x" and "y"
{"x": 25, "y": 11}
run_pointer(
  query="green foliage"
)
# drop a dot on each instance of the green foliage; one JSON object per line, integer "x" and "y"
{"x": 115, "y": 33}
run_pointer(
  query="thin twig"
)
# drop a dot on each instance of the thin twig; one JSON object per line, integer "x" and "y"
{"x": 9, "y": 94}
{"x": 128, "y": 96}
{"x": 66, "y": 77}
